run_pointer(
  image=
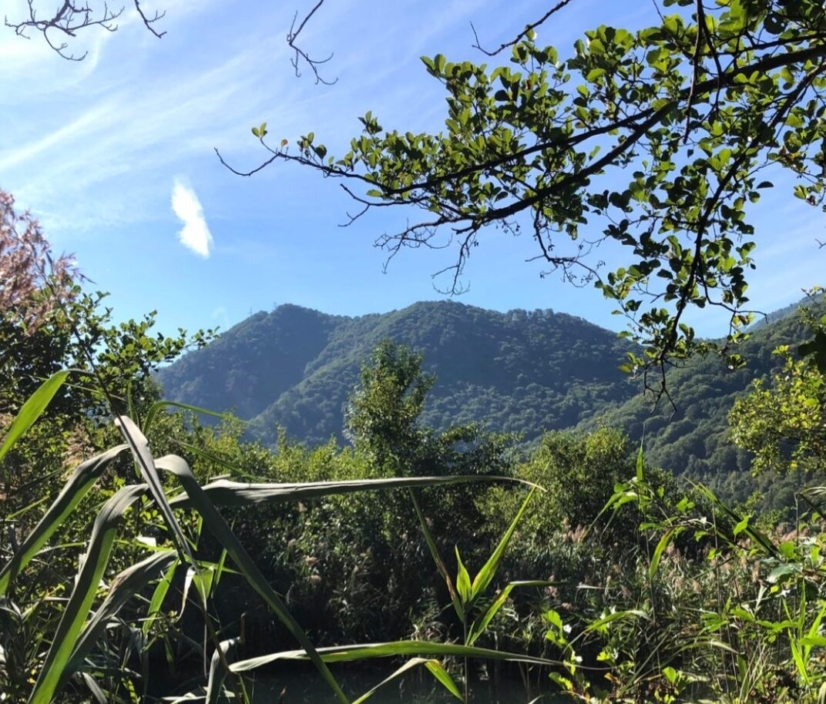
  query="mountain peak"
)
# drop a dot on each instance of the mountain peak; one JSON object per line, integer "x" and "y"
{"x": 296, "y": 366}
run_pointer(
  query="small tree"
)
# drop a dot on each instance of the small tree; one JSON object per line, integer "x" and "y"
{"x": 382, "y": 417}
{"x": 783, "y": 423}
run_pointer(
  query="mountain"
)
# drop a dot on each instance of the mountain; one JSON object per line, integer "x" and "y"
{"x": 519, "y": 371}
{"x": 522, "y": 372}
{"x": 688, "y": 434}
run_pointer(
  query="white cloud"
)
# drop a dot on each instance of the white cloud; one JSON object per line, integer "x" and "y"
{"x": 195, "y": 234}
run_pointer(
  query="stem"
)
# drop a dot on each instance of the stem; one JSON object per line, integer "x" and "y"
{"x": 467, "y": 685}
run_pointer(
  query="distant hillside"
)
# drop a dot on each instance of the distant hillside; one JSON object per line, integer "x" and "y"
{"x": 519, "y": 371}
{"x": 523, "y": 372}
{"x": 691, "y": 436}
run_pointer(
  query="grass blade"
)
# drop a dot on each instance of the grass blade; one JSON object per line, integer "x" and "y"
{"x": 409, "y": 665}
{"x": 33, "y": 409}
{"x": 440, "y": 565}
{"x": 416, "y": 648}
{"x": 663, "y": 543}
{"x": 434, "y": 666}
{"x": 159, "y": 595}
{"x": 143, "y": 457}
{"x": 488, "y": 571}
{"x": 462, "y": 579}
{"x": 158, "y": 406}
{"x": 84, "y": 592}
{"x": 443, "y": 677}
{"x": 216, "y": 524}
{"x": 217, "y": 674}
{"x": 223, "y": 492}
{"x": 123, "y": 587}
{"x": 78, "y": 485}
{"x": 479, "y": 626}
{"x": 757, "y": 536}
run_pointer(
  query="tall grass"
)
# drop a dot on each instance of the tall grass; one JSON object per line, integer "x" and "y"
{"x": 96, "y": 600}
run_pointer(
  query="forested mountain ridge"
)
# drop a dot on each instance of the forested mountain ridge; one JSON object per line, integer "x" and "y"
{"x": 689, "y": 434}
{"x": 520, "y": 371}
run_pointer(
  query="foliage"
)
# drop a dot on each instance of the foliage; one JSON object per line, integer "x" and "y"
{"x": 80, "y": 628}
{"x": 382, "y": 415}
{"x": 690, "y": 436}
{"x": 661, "y": 139}
{"x": 517, "y": 372}
{"x": 741, "y": 607}
{"x": 613, "y": 615}
{"x": 33, "y": 284}
{"x": 784, "y": 425}
{"x": 548, "y": 372}
{"x": 579, "y": 473}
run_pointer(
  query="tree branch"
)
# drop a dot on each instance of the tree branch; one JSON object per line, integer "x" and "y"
{"x": 524, "y": 33}
{"x": 72, "y": 17}
{"x": 301, "y": 54}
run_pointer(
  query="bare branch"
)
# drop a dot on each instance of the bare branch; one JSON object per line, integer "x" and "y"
{"x": 524, "y": 33}
{"x": 150, "y": 21}
{"x": 301, "y": 54}
{"x": 71, "y": 17}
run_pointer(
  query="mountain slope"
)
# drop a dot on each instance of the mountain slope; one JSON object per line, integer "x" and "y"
{"x": 252, "y": 363}
{"x": 522, "y": 372}
{"x": 691, "y": 436}
{"x": 518, "y": 371}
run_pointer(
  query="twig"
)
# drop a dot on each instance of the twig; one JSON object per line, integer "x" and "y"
{"x": 528, "y": 29}
{"x": 72, "y": 17}
{"x": 300, "y": 54}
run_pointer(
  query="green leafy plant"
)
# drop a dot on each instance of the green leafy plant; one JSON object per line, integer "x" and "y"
{"x": 81, "y": 625}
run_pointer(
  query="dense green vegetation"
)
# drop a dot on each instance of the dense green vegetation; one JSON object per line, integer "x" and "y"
{"x": 517, "y": 372}
{"x": 129, "y": 574}
{"x": 520, "y": 372}
{"x": 593, "y": 582}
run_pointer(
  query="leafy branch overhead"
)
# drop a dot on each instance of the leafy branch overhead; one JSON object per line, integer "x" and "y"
{"x": 659, "y": 139}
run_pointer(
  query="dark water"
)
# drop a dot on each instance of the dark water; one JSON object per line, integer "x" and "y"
{"x": 304, "y": 687}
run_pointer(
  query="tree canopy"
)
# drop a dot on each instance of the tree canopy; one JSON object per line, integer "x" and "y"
{"x": 660, "y": 139}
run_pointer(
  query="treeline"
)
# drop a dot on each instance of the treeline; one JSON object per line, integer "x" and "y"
{"x": 147, "y": 554}
{"x": 521, "y": 373}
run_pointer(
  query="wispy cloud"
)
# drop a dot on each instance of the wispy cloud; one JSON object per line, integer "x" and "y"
{"x": 221, "y": 316}
{"x": 195, "y": 234}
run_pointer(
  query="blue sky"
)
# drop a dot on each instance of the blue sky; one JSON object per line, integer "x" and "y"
{"x": 115, "y": 155}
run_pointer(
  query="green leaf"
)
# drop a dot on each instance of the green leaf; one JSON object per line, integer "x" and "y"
{"x": 139, "y": 446}
{"x": 83, "y": 595}
{"x": 369, "y": 651}
{"x": 629, "y": 613}
{"x": 443, "y": 677}
{"x": 73, "y": 492}
{"x": 433, "y": 666}
{"x": 663, "y": 543}
{"x": 782, "y": 571}
{"x": 124, "y": 587}
{"x": 488, "y": 571}
{"x": 34, "y": 407}
{"x": 158, "y": 596}
{"x": 223, "y": 492}
{"x": 437, "y": 559}
{"x": 479, "y": 627}
{"x": 217, "y": 674}
{"x": 463, "y": 581}
{"x": 215, "y": 523}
